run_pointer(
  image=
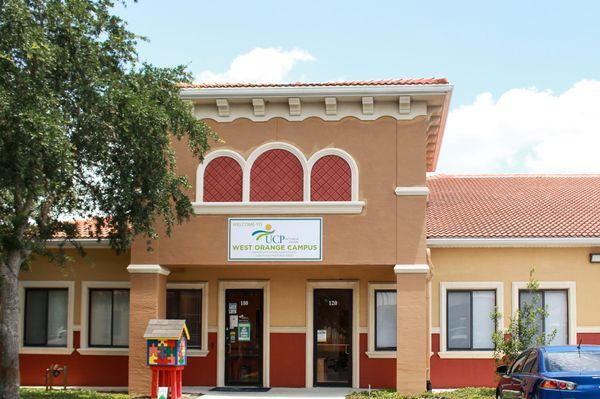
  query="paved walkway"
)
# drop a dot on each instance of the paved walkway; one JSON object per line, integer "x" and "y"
{"x": 273, "y": 393}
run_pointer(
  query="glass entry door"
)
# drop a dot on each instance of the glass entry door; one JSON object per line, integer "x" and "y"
{"x": 332, "y": 337}
{"x": 243, "y": 337}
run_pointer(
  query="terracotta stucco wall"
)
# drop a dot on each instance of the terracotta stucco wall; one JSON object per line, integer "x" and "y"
{"x": 389, "y": 153}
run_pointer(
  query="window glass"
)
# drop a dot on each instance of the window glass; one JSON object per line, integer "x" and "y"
{"x": 187, "y": 304}
{"x": 556, "y": 304}
{"x": 578, "y": 361}
{"x": 46, "y": 317}
{"x": 484, "y": 303}
{"x": 385, "y": 320}
{"x": 530, "y": 365}
{"x": 459, "y": 320}
{"x": 517, "y": 366}
{"x": 109, "y": 317}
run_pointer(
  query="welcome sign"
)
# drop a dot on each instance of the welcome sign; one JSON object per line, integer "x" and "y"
{"x": 275, "y": 239}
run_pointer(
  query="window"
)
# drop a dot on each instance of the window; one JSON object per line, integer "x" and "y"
{"x": 556, "y": 304}
{"x": 108, "y": 318}
{"x": 222, "y": 180}
{"x": 187, "y": 304}
{"x": 277, "y": 175}
{"x": 46, "y": 317}
{"x": 517, "y": 365}
{"x": 469, "y": 319}
{"x": 530, "y": 365}
{"x": 331, "y": 179}
{"x": 385, "y": 320}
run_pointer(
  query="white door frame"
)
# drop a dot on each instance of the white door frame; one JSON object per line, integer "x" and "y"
{"x": 241, "y": 284}
{"x": 337, "y": 284}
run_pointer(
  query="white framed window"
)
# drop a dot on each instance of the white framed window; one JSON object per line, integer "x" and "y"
{"x": 382, "y": 320}
{"x": 559, "y": 300}
{"x": 104, "y": 318}
{"x": 189, "y": 301}
{"x": 466, "y": 323}
{"x": 46, "y": 324}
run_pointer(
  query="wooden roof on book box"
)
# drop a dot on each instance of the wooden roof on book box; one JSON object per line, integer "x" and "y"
{"x": 166, "y": 329}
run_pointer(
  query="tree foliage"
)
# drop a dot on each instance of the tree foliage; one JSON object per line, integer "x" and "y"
{"x": 85, "y": 132}
{"x": 524, "y": 328}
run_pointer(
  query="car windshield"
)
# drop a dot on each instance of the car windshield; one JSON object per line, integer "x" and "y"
{"x": 579, "y": 361}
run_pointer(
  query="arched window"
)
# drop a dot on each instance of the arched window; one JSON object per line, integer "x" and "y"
{"x": 222, "y": 180}
{"x": 331, "y": 179}
{"x": 277, "y": 175}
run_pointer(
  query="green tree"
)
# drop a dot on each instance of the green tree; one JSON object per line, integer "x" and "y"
{"x": 524, "y": 328}
{"x": 85, "y": 132}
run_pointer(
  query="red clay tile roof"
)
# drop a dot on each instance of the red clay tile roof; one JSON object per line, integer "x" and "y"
{"x": 520, "y": 206}
{"x": 87, "y": 229}
{"x": 389, "y": 82}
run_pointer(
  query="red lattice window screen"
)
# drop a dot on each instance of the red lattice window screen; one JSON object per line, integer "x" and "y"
{"x": 223, "y": 181}
{"x": 276, "y": 175}
{"x": 331, "y": 179}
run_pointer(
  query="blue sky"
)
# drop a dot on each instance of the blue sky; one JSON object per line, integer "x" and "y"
{"x": 488, "y": 50}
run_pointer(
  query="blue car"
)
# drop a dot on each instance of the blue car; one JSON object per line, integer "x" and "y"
{"x": 551, "y": 372}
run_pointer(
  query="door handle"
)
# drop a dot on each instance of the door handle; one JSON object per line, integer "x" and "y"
{"x": 347, "y": 349}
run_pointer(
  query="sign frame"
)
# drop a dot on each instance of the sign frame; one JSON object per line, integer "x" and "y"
{"x": 261, "y": 260}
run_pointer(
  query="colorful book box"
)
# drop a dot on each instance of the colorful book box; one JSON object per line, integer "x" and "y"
{"x": 166, "y": 342}
{"x": 166, "y": 354}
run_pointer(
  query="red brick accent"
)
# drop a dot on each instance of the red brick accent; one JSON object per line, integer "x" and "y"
{"x": 331, "y": 179}
{"x": 223, "y": 181}
{"x": 377, "y": 373}
{"x": 277, "y": 175}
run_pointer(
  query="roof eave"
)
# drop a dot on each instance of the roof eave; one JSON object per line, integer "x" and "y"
{"x": 514, "y": 242}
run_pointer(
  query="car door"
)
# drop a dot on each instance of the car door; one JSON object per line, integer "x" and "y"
{"x": 511, "y": 385}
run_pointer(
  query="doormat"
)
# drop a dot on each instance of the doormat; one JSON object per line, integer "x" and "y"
{"x": 240, "y": 389}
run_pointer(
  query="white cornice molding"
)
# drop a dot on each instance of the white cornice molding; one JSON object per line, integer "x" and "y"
{"x": 314, "y": 91}
{"x": 412, "y": 191}
{"x": 148, "y": 269}
{"x": 411, "y": 269}
{"x": 271, "y": 208}
{"x": 512, "y": 242}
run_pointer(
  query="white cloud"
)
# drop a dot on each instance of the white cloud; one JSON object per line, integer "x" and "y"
{"x": 526, "y": 131}
{"x": 259, "y": 65}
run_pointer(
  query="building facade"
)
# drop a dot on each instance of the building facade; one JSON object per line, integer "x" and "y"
{"x": 320, "y": 254}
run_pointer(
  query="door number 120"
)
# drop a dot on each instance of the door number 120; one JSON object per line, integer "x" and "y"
{"x": 333, "y": 302}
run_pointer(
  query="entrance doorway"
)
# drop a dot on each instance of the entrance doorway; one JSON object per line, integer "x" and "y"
{"x": 244, "y": 337}
{"x": 332, "y": 337}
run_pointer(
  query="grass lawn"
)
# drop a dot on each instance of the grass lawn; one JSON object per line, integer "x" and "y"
{"x": 69, "y": 394}
{"x": 464, "y": 393}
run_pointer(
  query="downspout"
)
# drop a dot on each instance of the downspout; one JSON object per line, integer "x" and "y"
{"x": 428, "y": 352}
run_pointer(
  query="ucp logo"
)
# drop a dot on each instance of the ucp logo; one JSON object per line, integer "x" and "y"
{"x": 269, "y": 235}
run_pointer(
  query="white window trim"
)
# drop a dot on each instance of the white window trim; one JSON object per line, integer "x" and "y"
{"x": 306, "y": 206}
{"x": 84, "y": 348}
{"x": 224, "y": 285}
{"x": 42, "y": 350}
{"x": 371, "y": 351}
{"x": 498, "y": 286}
{"x": 207, "y": 159}
{"x": 570, "y": 286}
{"x": 310, "y": 287}
{"x": 203, "y": 285}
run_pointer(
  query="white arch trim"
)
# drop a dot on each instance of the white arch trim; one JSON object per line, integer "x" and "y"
{"x": 342, "y": 154}
{"x": 276, "y": 145}
{"x": 207, "y": 159}
{"x": 306, "y": 206}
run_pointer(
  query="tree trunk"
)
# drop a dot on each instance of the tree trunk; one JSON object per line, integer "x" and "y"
{"x": 9, "y": 325}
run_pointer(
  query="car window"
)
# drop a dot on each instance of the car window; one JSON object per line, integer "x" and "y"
{"x": 579, "y": 361}
{"x": 530, "y": 365}
{"x": 517, "y": 366}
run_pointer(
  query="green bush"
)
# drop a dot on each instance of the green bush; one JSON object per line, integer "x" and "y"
{"x": 463, "y": 393}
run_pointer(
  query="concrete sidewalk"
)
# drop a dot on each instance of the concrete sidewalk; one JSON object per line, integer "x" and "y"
{"x": 273, "y": 393}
